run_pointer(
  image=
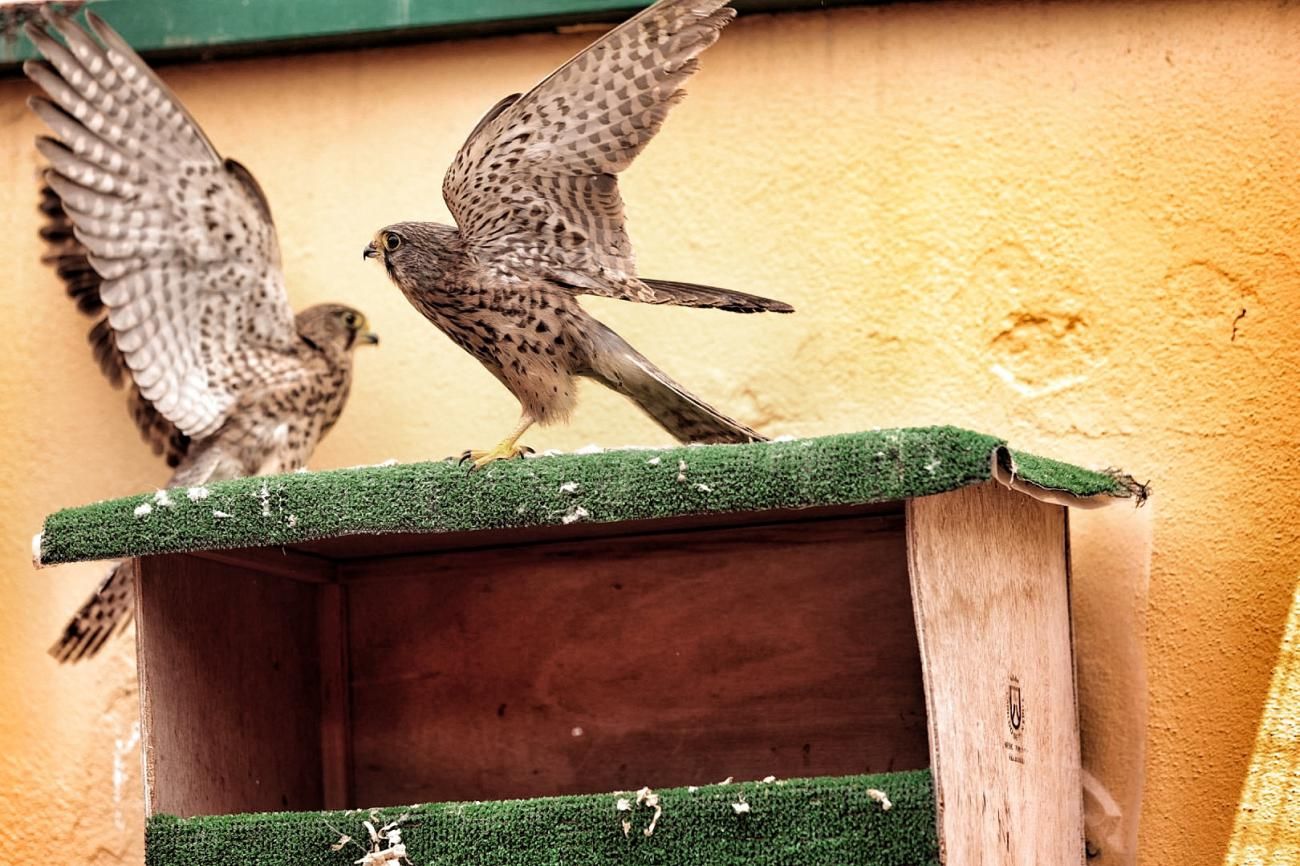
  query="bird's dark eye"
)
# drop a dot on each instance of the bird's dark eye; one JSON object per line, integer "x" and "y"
{"x": 350, "y": 319}
{"x": 392, "y": 241}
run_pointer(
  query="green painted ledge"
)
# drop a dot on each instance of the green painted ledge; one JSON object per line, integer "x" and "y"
{"x": 179, "y": 30}
{"x": 808, "y": 822}
{"x": 605, "y": 487}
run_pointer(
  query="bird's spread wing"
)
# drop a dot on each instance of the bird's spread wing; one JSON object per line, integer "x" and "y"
{"x": 534, "y": 188}
{"x": 70, "y": 260}
{"x": 182, "y": 240}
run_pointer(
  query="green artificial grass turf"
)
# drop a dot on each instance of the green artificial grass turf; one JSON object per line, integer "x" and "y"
{"x": 611, "y": 486}
{"x": 809, "y": 822}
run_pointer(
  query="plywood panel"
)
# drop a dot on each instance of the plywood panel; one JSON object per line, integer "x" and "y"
{"x": 336, "y": 711}
{"x": 229, "y": 688}
{"x": 368, "y": 546}
{"x": 614, "y": 663}
{"x": 990, "y": 576}
{"x": 279, "y": 561}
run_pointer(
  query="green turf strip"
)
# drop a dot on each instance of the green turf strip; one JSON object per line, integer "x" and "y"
{"x": 799, "y": 822}
{"x": 612, "y": 486}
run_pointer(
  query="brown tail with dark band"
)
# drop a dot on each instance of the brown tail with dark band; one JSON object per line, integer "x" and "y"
{"x": 693, "y": 295}
{"x": 688, "y": 418}
{"x": 106, "y": 612}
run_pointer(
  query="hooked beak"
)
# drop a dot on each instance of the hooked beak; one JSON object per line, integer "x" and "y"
{"x": 370, "y": 338}
{"x": 369, "y": 252}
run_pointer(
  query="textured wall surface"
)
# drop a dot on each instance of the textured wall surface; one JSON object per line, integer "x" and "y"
{"x": 1076, "y": 225}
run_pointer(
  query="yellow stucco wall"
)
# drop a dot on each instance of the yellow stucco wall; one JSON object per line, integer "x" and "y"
{"x": 1074, "y": 225}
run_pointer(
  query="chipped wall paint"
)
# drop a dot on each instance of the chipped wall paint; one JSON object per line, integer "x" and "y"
{"x": 1072, "y": 224}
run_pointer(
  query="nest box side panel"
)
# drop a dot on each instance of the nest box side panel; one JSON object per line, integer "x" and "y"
{"x": 607, "y": 664}
{"x": 230, "y": 696}
{"x": 335, "y": 711}
{"x": 990, "y": 578}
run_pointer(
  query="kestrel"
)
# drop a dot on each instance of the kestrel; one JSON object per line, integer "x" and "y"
{"x": 172, "y": 251}
{"x": 539, "y": 221}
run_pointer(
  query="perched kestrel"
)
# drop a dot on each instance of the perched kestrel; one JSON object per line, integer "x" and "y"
{"x": 534, "y": 193}
{"x": 172, "y": 251}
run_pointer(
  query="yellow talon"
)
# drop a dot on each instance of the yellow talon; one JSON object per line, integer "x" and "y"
{"x": 508, "y": 449}
{"x": 504, "y": 451}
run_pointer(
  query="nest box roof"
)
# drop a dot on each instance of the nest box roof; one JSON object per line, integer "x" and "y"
{"x": 606, "y": 487}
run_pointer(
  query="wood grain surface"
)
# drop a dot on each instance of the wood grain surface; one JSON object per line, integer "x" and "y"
{"x": 990, "y": 576}
{"x": 609, "y": 664}
{"x": 229, "y": 688}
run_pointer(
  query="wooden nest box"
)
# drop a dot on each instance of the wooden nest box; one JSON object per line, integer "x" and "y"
{"x": 874, "y": 603}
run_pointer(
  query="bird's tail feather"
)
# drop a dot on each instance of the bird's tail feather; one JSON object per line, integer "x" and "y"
{"x": 692, "y": 295}
{"x": 110, "y": 608}
{"x": 688, "y": 418}
{"x": 105, "y": 613}
{"x": 203, "y": 463}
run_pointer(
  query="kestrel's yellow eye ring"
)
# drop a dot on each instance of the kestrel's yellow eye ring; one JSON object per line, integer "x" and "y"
{"x": 392, "y": 241}
{"x": 350, "y": 319}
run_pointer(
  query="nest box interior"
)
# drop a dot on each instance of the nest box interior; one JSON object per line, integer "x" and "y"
{"x": 876, "y": 603}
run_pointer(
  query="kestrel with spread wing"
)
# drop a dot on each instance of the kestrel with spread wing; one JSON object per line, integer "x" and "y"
{"x": 172, "y": 251}
{"x": 539, "y": 221}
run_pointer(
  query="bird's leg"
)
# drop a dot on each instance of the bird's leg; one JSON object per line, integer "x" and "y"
{"x": 505, "y": 450}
